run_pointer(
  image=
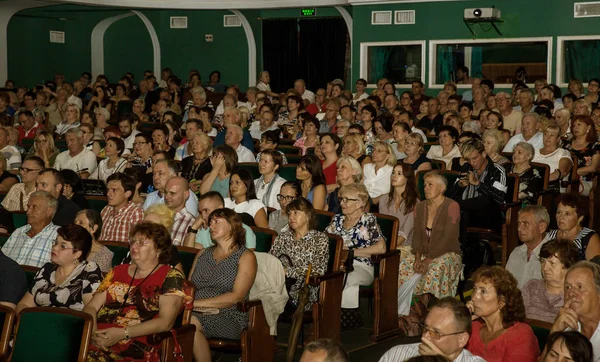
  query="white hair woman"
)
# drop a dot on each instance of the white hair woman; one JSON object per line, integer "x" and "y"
{"x": 348, "y": 171}
{"x": 493, "y": 141}
{"x": 530, "y": 180}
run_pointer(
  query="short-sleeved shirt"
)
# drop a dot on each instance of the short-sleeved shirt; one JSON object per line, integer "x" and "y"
{"x": 117, "y": 224}
{"x": 250, "y": 207}
{"x": 13, "y": 157}
{"x": 33, "y": 251}
{"x": 203, "y": 237}
{"x": 84, "y": 160}
{"x": 84, "y": 279}
{"x": 365, "y": 233}
{"x": 16, "y": 199}
{"x": 13, "y": 283}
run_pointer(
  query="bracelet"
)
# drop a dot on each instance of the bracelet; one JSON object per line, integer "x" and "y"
{"x": 126, "y": 333}
{"x": 559, "y": 173}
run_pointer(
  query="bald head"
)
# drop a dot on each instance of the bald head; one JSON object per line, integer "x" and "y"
{"x": 177, "y": 192}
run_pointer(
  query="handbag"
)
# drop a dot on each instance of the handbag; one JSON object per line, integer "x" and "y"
{"x": 155, "y": 353}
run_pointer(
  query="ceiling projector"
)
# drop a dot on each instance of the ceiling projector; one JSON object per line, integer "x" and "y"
{"x": 482, "y": 13}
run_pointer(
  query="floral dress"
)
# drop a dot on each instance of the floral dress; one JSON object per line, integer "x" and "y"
{"x": 130, "y": 302}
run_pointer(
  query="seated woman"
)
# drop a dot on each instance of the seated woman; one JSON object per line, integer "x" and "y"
{"x": 494, "y": 120}
{"x": 497, "y": 309}
{"x": 414, "y": 147}
{"x": 493, "y": 141}
{"x": 71, "y": 120}
{"x": 90, "y": 220}
{"x": 530, "y": 180}
{"x": 556, "y": 157}
{"x": 310, "y": 134}
{"x": 570, "y": 213}
{"x": 447, "y": 149}
{"x": 355, "y": 147}
{"x": 243, "y": 198}
{"x": 568, "y": 346}
{"x": 383, "y": 127}
{"x": 72, "y": 188}
{"x": 400, "y": 132}
{"x": 68, "y": 280}
{"x": 300, "y": 246}
{"x": 197, "y": 165}
{"x": 278, "y": 220}
{"x": 587, "y": 149}
{"x": 7, "y": 179}
{"x": 43, "y": 147}
{"x": 87, "y": 130}
{"x": 160, "y": 139}
{"x": 401, "y": 202}
{"x": 137, "y": 173}
{"x": 310, "y": 175}
{"x": 377, "y": 174}
{"x": 114, "y": 162}
{"x": 269, "y": 183}
{"x": 269, "y": 140}
{"x": 223, "y": 275}
{"x": 349, "y": 171}
{"x": 223, "y": 160}
{"x": 435, "y": 253}
{"x": 362, "y": 235}
{"x": 136, "y": 300}
{"x": 331, "y": 149}
{"x": 544, "y": 297}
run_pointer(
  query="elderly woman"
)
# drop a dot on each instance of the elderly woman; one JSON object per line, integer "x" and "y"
{"x": 300, "y": 246}
{"x": 401, "y": 201}
{"x": 582, "y": 107}
{"x": 348, "y": 172}
{"x": 568, "y": 346}
{"x": 114, "y": 162}
{"x": 362, "y": 235}
{"x": 138, "y": 109}
{"x": 68, "y": 280}
{"x": 102, "y": 118}
{"x": 223, "y": 161}
{"x": 435, "y": 250}
{"x": 269, "y": 140}
{"x": 71, "y": 121}
{"x": 331, "y": 149}
{"x": 499, "y": 333}
{"x": 43, "y": 147}
{"x": 530, "y": 180}
{"x": 569, "y": 215}
{"x": 91, "y": 221}
{"x": 587, "y": 149}
{"x": 312, "y": 180}
{"x": 196, "y": 166}
{"x": 553, "y": 155}
{"x": 278, "y": 220}
{"x": 160, "y": 138}
{"x": 269, "y": 183}
{"x": 377, "y": 174}
{"x": 544, "y": 297}
{"x": 414, "y": 147}
{"x": 223, "y": 275}
{"x": 137, "y": 299}
{"x": 243, "y": 198}
{"x": 400, "y": 132}
{"x": 447, "y": 149}
{"x": 493, "y": 141}
{"x": 354, "y": 146}
{"x": 309, "y": 137}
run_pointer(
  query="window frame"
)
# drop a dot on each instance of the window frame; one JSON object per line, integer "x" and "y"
{"x": 560, "y": 57}
{"x": 364, "y": 51}
{"x": 433, "y": 57}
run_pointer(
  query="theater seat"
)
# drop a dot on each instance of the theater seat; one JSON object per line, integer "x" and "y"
{"x": 288, "y": 171}
{"x": 264, "y": 239}
{"x": 7, "y": 321}
{"x": 119, "y": 250}
{"x": 30, "y": 272}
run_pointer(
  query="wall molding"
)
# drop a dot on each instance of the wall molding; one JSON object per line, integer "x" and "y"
{"x": 349, "y": 24}
{"x": 208, "y": 4}
{"x": 252, "y": 77}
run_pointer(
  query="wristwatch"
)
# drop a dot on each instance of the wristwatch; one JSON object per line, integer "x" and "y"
{"x": 126, "y": 333}
{"x": 192, "y": 230}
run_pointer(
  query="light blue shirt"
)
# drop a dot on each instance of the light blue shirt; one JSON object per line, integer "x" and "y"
{"x": 203, "y": 237}
{"x": 191, "y": 204}
{"x": 33, "y": 251}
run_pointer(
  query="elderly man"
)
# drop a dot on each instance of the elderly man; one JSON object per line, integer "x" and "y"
{"x": 525, "y": 101}
{"x": 198, "y": 100}
{"x": 120, "y": 215}
{"x": 11, "y": 153}
{"x": 511, "y": 117}
{"x": 52, "y": 181}
{"x": 581, "y": 311}
{"x": 327, "y": 124}
{"x": 198, "y": 235}
{"x": 264, "y": 124}
{"x": 300, "y": 87}
{"x": 548, "y": 93}
{"x": 28, "y": 127}
{"x": 163, "y": 171}
{"x": 524, "y": 261}
{"x": 530, "y": 133}
{"x": 319, "y": 105}
{"x": 324, "y": 350}
{"x": 77, "y": 158}
{"x": 446, "y": 331}
{"x": 231, "y": 116}
{"x": 177, "y": 192}
{"x": 342, "y": 126}
{"x": 18, "y": 195}
{"x": 390, "y": 102}
{"x": 31, "y": 244}
{"x": 434, "y": 120}
{"x": 233, "y": 139}
{"x": 192, "y": 126}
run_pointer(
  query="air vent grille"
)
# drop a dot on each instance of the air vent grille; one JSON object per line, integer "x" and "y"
{"x": 404, "y": 17}
{"x": 381, "y": 18}
{"x": 587, "y": 9}
{"x": 230, "y": 21}
{"x": 57, "y": 37}
{"x": 179, "y": 22}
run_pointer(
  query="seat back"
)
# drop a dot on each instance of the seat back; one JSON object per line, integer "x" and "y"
{"x": 512, "y": 188}
{"x": 119, "y": 250}
{"x": 97, "y": 202}
{"x": 438, "y": 164}
{"x": 290, "y": 150}
{"x": 450, "y": 176}
{"x": 187, "y": 256}
{"x": 336, "y": 246}
{"x": 264, "y": 239}
{"x": 7, "y": 321}
{"x": 19, "y": 218}
{"x": 541, "y": 330}
{"x": 295, "y": 159}
{"x": 3, "y": 239}
{"x": 389, "y": 228}
{"x": 544, "y": 171}
{"x": 30, "y": 272}
{"x": 428, "y": 145}
{"x": 323, "y": 219}
{"x": 66, "y": 335}
{"x": 251, "y": 167}
{"x": 288, "y": 171}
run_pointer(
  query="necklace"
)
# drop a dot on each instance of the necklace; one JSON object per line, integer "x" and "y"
{"x": 138, "y": 286}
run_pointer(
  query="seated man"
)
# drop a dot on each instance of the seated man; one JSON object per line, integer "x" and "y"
{"x": 446, "y": 331}
{"x": 233, "y": 139}
{"x": 163, "y": 171}
{"x": 18, "y": 195}
{"x": 11, "y": 153}
{"x": 266, "y": 123}
{"x": 192, "y": 126}
{"x": 581, "y": 311}
{"x": 128, "y": 126}
{"x": 232, "y": 117}
{"x": 177, "y": 192}
{"x": 524, "y": 261}
{"x": 530, "y": 133}
{"x": 52, "y": 181}
{"x": 120, "y": 215}
{"x": 77, "y": 158}
{"x": 324, "y": 350}
{"x": 13, "y": 284}
{"x": 198, "y": 234}
{"x": 32, "y": 244}
{"x": 480, "y": 190}
{"x": 28, "y": 127}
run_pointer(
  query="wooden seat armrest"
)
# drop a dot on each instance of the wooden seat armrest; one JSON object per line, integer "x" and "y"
{"x": 504, "y": 207}
{"x": 157, "y": 338}
{"x": 569, "y": 182}
{"x": 476, "y": 230}
{"x": 538, "y": 323}
{"x": 377, "y": 258}
{"x": 316, "y": 280}
{"x": 245, "y": 305}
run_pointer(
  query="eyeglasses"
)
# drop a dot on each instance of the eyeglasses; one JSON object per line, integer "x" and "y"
{"x": 133, "y": 242}
{"x": 139, "y": 143}
{"x": 345, "y": 200}
{"x": 280, "y": 198}
{"x": 435, "y": 334}
{"x": 41, "y": 141}
{"x": 25, "y": 169}
{"x": 61, "y": 246}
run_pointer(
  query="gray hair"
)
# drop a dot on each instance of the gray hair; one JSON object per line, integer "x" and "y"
{"x": 335, "y": 351}
{"x": 75, "y": 132}
{"x": 171, "y": 165}
{"x": 200, "y": 91}
{"x": 533, "y": 115}
{"x": 353, "y": 163}
{"x": 51, "y": 201}
{"x": 252, "y": 90}
{"x": 238, "y": 128}
{"x": 104, "y": 112}
{"x": 471, "y": 126}
{"x": 527, "y": 91}
{"x": 539, "y": 213}
{"x": 527, "y": 147}
{"x": 436, "y": 175}
{"x": 591, "y": 266}
{"x": 496, "y": 135}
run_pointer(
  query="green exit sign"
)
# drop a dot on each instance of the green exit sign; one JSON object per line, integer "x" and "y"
{"x": 308, "y": 12}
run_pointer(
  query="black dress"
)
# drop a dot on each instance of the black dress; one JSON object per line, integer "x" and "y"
{"x": 189, "y": 171}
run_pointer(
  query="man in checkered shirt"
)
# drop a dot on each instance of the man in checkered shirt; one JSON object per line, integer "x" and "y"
{"x": 120, "y": 215}
{"x": 177, "y": 191}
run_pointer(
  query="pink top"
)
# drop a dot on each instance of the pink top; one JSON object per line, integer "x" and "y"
{"x": 517, "y": 343}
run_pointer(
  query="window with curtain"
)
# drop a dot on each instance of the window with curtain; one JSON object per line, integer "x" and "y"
{"x": 580, "y": 59}
{"x": 496, "y": 61}
{"x": 400, "y": 63}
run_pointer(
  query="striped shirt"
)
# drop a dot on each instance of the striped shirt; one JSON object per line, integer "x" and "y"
{"x": 34, "y": 251}
{"x": 183, "y": 219}
{"x": 117, "y": 224}
{"x": 404, "y": 352}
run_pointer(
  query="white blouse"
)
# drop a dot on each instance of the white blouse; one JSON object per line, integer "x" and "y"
{"x": 436, "y": 153}
{"x": 249, "y": 207}
{"x": 377, "y": 183}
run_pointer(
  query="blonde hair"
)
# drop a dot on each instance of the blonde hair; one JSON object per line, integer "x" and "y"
{"x": 359, "y": 140}
{"x": 165, "y": 215}
{"x": 392, "y": 160}
{"x": 497, "y": 136}
{"x": 49, "y": 139}
{"x": 585, "y": 102}
{"x": 78, "y": 111}
{"x": 203, "y": 137}
{"x": 244, "y": 116}
{"x": 360, "y": 189}
{"x": 417, "y": 139}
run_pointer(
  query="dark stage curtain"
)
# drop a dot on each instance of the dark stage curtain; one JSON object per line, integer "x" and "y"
{"x": 280, "y": 52}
